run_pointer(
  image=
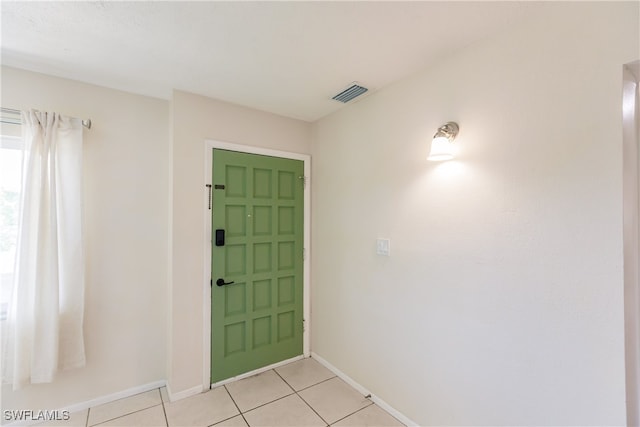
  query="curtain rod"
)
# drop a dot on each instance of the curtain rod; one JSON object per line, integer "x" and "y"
{"x": 18, "y": 121}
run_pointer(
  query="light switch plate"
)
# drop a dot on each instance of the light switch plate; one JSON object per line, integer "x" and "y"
{"x": 383, "y": 247}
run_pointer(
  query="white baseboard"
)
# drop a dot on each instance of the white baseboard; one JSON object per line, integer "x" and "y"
{"x": 115, "y": 396}
{"x": 77, "y": 407}
{"x": 184, "y": 393}
{"x": 375, "y": 399}
{"x": 257, "y": 371}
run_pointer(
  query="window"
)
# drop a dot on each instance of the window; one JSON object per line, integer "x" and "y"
{"x": 10, "y": 186}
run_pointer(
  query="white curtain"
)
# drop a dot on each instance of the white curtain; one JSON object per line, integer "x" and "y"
{"x": 44, "y": 324}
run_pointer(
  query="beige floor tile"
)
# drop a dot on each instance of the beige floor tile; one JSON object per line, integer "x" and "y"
{"x": 233, "y": 422}
{"x": 371, "y": 416}
{"x": 334, "y": 399}
{"x": 76, "y": 419}
{"x": 164, "y": 395}
{"x": 288, "y": 411}
{"x": 203, "y": 409}
{"x": 304, "y": 373}
{"x": 121, "y": 407}
{"x": 266, "y": 399}
{"x": 150, "y": 417}
{"x": 257, "y": 390}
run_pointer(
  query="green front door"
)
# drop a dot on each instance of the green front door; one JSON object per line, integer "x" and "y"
{"x": 257, "y": 283}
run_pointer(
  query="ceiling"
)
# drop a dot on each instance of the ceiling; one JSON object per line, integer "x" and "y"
{"x": 287, "y": 58}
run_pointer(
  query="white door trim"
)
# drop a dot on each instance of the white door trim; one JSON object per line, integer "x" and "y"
{"x": 631, "y": 235}
{"x": 209, "y": 145}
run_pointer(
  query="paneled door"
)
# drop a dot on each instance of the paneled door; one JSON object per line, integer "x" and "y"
{"x": 257, "y": 262}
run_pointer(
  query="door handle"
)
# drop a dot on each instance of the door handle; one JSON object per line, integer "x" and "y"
{"x": 221, "y": 282}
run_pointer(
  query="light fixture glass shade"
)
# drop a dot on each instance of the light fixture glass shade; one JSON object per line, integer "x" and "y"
{"x": 442, "y": 147}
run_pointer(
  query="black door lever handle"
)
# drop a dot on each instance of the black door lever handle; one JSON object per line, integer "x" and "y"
{"x": 221, "y": 282}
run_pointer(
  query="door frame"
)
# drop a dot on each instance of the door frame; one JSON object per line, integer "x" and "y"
{"x": 631, "y": 235}
{"x": 209, "y": 146}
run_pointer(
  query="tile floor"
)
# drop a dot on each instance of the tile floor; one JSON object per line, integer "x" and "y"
{"x": 300, "y": 394}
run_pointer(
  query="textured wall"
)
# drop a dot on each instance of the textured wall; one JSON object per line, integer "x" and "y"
{"x": 502, "y": 300}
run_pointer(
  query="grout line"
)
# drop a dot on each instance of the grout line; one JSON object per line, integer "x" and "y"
{"x": 164, "y": 410}
{"x": 236, "y": 405}
{"x": 226, "y": 419}
{"x": 353, "y": 413}
{"x": 319, "y": 382}
{"x": 323, "y": 381}
{"x": 86, "y": 421}
{"x": 266, "y": 403}
{"x": 311, "y": 407}
{"x": 128, "y": 413}
{"x": 271, "y": 401}
{"x": 296, "y": 392}
{"x": 124, "y": 415}
{"x": 308, "y": 404}
{"x": 285, "y": 381}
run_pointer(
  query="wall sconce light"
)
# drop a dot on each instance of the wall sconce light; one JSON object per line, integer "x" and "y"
{"x": 442, "y": 144}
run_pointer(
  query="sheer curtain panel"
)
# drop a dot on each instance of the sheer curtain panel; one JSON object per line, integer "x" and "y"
{"x": 43, "y": 331}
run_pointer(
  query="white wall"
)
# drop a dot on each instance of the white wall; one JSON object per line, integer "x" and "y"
{"x": 194, "y": 119}
{"x": 502, "y": 300}
{"x": 126, "y": 168}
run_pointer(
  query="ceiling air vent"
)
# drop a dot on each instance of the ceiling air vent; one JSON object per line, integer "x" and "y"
{"x": 349, "y": 93}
